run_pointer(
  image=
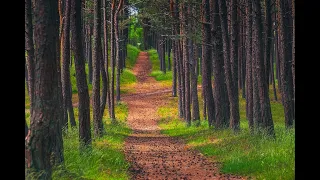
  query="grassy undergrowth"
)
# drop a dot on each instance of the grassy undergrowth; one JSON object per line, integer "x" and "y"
{"x": 132, "y": 55}
{"x": 106, "y": 159}
{"x": 244, "y": 154}
{"x": 156, "y": 72}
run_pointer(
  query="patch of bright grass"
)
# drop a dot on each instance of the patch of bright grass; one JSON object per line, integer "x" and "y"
{"x": 161, "y": 76}
{"x": 105, "y": 160}
{"x": 155, "y": 62}
{"x": 244, "y": 154}
{"x": 132, "y": 55}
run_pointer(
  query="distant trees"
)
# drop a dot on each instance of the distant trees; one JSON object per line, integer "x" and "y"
{"x": 239, "y": 53}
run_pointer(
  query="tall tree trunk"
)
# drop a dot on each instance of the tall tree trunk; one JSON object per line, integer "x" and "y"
{"x": 220, "y": 95}
{"x": 30, "y": 60}
{"x": 186, "y": 65}
{"x": 174, "y": 66}
{"x": 231, "y": 88}
{"x": 117, "y": 52}
{"x": 90, "y": 54}
{"x": 65, "y": 61}
{"x": 194, "y": 83}
{"x": 106, "y": 53}
{"x": 206, "y": 62}
{"x": 96, "y": 58}
{"x": 169, "y": 51}
{"x": 83, "y": 93}
{"x": 263, "y": 85}
{"x": 249, "y": 73}
{"x": 285, "y": 65}
{"x": 272, "y": 72}
{"x": 268, "y": 35}
{"x": 293, "y": 54}
{"x": 44, "y": 142}
{"x": 112, "y": 62}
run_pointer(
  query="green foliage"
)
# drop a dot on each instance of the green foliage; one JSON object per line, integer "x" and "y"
{"x": 132, "y": 55}
{"x": 243, "y": 153}
{"x": 156, "y": 73}
{"x": 127, "y": 77}
{"x": 161, "y": 76}
{"x": 136, "y": 32}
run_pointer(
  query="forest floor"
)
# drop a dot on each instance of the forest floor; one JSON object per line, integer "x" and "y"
{"x": 153, "y": 155}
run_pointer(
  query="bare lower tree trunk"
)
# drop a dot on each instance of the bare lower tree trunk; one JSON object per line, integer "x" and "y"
{"x": 96, "y": 58}
{"x": 174, "y": 62}
{"x": 117, "y": 52}
{"x": 220, "y": 95}
{"x": 206, "y": 63}
{"x": 186, "y": 65}
{"x": 44, "y": 142}
{"x": 106, "y": 53}
{"x": 231, "y": 88}
{"x": 249, "y": 73}
{"x": 263, "y": 85}
{"x": 285, "y": 64}
{"x": 90, "y": 54}
{"x": 83, "y": 93}
{"x": 65, "y": 61}
{"x": 112, "y": 62}
{"x": 30, "y": 50}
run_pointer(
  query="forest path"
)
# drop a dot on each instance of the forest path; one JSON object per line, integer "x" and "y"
{"x": 151, "y": 154}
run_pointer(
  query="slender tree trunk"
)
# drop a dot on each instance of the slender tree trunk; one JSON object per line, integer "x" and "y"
{"x": 186, "y": 65}
{"x": 285, "y": 64}
{"x": 169, "y": 52}
{"x": 96, "y": 58}
{"x": 220, "y": 95}
{"x": 117, "y": 52}
{"x": 65, "y": 61}
{"x": 231, "y": 88}
{"x": 272, "y": 72}
{"x": 90, "y": 54}
{"x": 30, "y": 60}
{"x": 263, "y": 85}
{"x": 293, "y": 54}
{"x": 106, "y": 53}
{"x": 83, "y": 93}
{"x": 249, "y": 73}
{"x": 174, "y": 62}
{"x": 112, "y": 62}
{"x": 268, "y": 35}
{"x": 44, "y": 142}
{"x": 206, "y": 63}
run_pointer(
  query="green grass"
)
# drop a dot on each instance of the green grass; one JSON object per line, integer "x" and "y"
{"x": 132, "y": 55}
{"x": 244, "y": 154}
{"x": 155, "y": 62}
{"x": 106, "y": 159}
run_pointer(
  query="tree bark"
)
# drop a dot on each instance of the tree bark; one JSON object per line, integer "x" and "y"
{"x": 206, "y": 62}
{"x": 186, "y": 65}
{"x": 231, "y": 88}
{"x": 65, "y": 61}
{"x": 117, "y": 52}
{"x": 83, "y": 93}
{"x": 44, "y": 142}
{"x": 263, "y": 85}
{"x": 220, "y": 96}
{"x": 106, "y": 53}
{"x": 285, "y": 64}
{"x": 30, "y": 60}
{"x": 96, "y": 62}
{"x": 249, "y": 73}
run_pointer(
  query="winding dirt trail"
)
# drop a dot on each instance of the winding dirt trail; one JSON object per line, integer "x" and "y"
{"x": 151, "y": 154}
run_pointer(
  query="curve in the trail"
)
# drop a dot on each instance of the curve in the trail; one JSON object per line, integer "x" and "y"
{"x": 151, "y": 154}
